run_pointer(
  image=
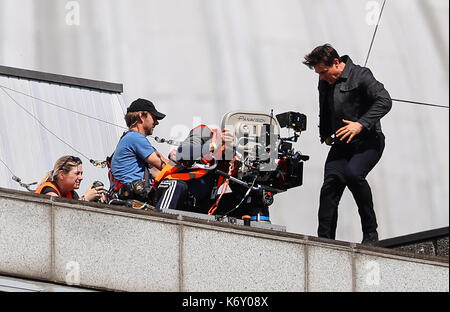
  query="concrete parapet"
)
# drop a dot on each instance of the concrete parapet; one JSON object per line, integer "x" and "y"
{"x": 114, "y": 248}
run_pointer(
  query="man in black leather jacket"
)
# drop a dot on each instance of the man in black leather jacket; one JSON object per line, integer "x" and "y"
{"x": 352, "y": 102}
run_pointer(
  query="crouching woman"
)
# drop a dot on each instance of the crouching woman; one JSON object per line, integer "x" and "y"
{"x": 65, "y": 178}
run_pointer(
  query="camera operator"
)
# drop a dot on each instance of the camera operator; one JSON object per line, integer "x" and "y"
{"x": 177, "y": 182}
{"x": 135, "y": 161}
{"x": 352, "y": 102}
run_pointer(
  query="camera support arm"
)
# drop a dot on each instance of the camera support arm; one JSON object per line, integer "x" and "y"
{"x": 293, "y": 138}
{"x": 247, "y": 185}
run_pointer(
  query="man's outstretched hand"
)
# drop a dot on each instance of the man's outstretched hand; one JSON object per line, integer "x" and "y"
{"x": 349, "y": 131}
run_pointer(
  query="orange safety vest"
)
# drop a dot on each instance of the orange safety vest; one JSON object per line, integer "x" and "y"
{"x": 171, "y": 170}
{"x": 54, "y": 187}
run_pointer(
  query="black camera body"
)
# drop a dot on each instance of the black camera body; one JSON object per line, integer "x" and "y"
{"x": 292, "y": 120}
{"x": 96, "y": 184}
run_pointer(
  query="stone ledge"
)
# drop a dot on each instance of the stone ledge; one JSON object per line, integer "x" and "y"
{"x": 121, "y": 249}
{"x": 223, "y": 226}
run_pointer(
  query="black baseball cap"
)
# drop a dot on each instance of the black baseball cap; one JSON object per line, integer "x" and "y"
{"x": 143, "y": 105}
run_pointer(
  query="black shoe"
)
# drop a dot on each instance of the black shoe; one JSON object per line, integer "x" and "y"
{"x": 370, "y": 239}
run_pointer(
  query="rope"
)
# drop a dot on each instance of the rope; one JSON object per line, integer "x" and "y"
{"x": 17, "y": 179}
{"x": 64, "y": 108}
{"x": 243, "y": 198}
{"x": 420, "y": 103}
{"x": 157, "y": 139}
{"x": 12, "y": 173}
{"x": 375, "y": 32}
{"x": 43, "y": 126}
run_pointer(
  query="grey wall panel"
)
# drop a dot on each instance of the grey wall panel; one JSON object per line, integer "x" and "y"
{"x": 118, "y": 249}
{"x": 381, "y": 274}
{"x": 115, "y": 252}
{"x": 329, "y": 270}
{"x": 219, "y": 261}
{"x": 25, "y": 238}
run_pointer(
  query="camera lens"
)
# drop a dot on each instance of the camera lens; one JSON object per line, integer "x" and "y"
{"x": 97, "y": 184}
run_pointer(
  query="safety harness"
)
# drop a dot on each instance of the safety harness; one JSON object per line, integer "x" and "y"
{"x": 116, "y": 185}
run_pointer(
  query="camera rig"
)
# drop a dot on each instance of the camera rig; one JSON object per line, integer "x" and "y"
{"x": 257, "y": 164}
{"x": 265, "y": 163}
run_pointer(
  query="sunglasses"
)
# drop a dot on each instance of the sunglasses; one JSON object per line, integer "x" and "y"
{"x": 73, "y": 159}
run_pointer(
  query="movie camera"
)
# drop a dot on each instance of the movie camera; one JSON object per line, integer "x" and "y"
{"x": 267, "y": 163}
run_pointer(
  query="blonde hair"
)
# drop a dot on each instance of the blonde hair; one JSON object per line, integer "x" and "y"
{"x": 64, "y": 163}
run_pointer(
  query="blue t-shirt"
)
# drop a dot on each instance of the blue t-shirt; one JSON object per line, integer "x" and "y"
{"x": 128, "y": 163}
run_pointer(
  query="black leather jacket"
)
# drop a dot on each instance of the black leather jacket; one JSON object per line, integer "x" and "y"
{"x": 357, "y": 96}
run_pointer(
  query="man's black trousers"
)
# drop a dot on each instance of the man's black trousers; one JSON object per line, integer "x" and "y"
{"x": 348, "y": 165}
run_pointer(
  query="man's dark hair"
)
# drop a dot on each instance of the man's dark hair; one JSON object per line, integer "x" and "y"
{"x": 132, "y": 118}
{"x": 324, "y": 54}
